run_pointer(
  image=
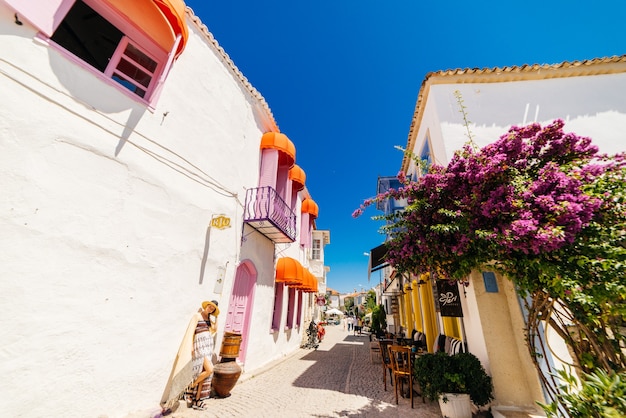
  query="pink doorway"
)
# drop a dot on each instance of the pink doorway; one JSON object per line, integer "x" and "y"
{"x": 240, "y": 305}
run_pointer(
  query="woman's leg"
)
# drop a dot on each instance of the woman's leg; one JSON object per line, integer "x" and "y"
{"x": 206, "y": 372}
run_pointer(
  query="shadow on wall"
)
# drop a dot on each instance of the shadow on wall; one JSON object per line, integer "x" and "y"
{"x": 91, "y": 91}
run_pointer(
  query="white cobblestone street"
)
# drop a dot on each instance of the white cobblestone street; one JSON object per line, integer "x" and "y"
{"x": 338, "y": 379}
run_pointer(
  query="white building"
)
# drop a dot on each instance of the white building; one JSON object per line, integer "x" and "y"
{"x": 588, "y": 96}
{"x": 137, "y": 167}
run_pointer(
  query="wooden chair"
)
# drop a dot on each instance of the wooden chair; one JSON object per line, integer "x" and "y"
{"x": 402, "y": 368}
{"x": 386, "y": 360}
{"x": 374, "y": 350}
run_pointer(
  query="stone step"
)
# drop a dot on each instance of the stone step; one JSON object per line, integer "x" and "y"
{"x": 500, "y": 412}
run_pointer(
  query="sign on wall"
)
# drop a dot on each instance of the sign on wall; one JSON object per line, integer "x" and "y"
{"x": 448, "y": 298}
{"x": 220, "y": 222}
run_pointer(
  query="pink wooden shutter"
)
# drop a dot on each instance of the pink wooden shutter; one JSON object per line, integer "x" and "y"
{"x": 45, "y": 15}
{"x": 305, "y": 230}
{"x": 269, "y": 167}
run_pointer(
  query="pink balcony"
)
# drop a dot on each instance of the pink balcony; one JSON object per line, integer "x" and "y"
{"x": 268, "y": 213}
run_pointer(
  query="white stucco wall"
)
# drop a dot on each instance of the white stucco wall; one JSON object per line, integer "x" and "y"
{"x": 591, "y": 106}
{"x": 105, "y": 244}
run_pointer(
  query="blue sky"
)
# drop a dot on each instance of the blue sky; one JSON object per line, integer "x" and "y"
{"x": 341, "y": 78}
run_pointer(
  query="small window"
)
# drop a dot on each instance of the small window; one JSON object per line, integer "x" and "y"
{"x": 135, "y": 70}
{"x": 278, "y": 305}
{"x": 88, "y": 35}
{"x": 316, "y": 253}
{"x": 91, "y": 37}
{"x": 426, "y": 156}
{"x": 290, "y": 307}
{"x": 299, "y": 310}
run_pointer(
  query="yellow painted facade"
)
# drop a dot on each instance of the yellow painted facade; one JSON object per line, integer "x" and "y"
{"x": 500, "y": 319}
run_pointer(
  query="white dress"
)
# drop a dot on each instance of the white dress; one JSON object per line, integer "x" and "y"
{"x": 203, "y": 344}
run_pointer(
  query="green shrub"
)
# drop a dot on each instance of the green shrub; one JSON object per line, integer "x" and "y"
{"x": 440, "y": 373}
{"x": 595, "y": 395}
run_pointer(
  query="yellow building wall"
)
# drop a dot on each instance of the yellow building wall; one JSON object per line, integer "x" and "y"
{"x": 514, "y": 376}
{"x": 451, "y": 327}
{"x": 428, "y": 311}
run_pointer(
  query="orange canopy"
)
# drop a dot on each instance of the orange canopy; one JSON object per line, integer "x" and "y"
{"x": 297, "y": 176}
{"x": 312, "y": 282}
{"x": 309, "y": 282}
{"x": 162, "y": 20}
{"x": 309, "y": 206}
{"x": 289, "y": 271}
{"x": 280, "y": 142}
{"x": 306, "y": 281}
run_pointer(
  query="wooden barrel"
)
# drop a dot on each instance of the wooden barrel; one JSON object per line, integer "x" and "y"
{"x": 230, "y": 346}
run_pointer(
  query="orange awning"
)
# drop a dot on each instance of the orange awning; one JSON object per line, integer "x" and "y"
{"x": 162, "y": 20}
{"x": 305, "y": 284}
{"x": 297, "y": 176}
{"x": 289, "y": 271}
{"x": 280, "y": 142}
{"x": 313, "y": 283}
{"x": 309, "y": 206}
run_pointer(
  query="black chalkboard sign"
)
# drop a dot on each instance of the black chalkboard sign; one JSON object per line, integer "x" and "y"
{"x": 448, "y": 298}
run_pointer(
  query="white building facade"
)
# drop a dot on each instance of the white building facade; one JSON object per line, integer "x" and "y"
{"x": 133, "y": 179}
{"x": 588, "y": 97}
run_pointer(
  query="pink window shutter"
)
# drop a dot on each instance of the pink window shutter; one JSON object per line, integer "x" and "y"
{"x": 45, "y": 15}
{"x": 269, "y": 167}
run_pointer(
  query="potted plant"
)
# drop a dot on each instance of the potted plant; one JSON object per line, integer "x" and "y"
{"x": 451, "y": 379}
{"x": 379, "y": 321}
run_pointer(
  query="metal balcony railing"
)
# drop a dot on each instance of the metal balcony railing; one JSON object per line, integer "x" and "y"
{"x": 268, "y": 213}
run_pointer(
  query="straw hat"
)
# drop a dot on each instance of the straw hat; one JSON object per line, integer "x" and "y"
{"x": 216, "y": 312}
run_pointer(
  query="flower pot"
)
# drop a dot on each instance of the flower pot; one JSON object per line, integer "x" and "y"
{"x": 457, "y": 405}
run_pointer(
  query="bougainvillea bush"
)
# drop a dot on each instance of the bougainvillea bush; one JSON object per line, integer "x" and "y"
{"x": 541, "y": 206}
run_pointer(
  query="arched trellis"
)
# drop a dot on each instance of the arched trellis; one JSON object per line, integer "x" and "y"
{"x": 601, "y": 347}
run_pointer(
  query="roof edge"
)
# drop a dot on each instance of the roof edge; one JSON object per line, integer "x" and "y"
{"x": 261, "y": 102}
{"x": 596, "y": 66}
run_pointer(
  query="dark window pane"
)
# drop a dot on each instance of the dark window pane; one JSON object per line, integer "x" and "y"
{"x": 88, "y": 35}
{"x": 129, "y": 69}
{"x": 140, "y": 58}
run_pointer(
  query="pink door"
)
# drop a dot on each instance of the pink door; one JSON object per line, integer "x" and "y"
{"x": 240, "y": 305}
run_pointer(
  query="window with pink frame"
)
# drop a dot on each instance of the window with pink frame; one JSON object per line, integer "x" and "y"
{"x": 96, "y": 35}
{"x": 278, "y": 305}
{"x": 87, "y": 31}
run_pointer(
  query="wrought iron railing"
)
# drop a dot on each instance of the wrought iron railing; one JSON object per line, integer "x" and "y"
{"x": 268, "y": 213}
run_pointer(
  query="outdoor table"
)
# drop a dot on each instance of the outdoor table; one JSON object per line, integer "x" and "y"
{"x": 404, "y": 341}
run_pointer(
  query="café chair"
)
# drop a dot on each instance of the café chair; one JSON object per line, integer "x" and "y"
{"x": 402, "y": 368}
{"x": 386, "y": 360}
{"x": 374, "y": 350}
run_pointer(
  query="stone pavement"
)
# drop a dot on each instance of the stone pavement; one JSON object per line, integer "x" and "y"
{"x": 336, "y": 380}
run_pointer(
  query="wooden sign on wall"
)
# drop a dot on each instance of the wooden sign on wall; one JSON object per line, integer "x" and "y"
{"x": 448, "y": 298}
